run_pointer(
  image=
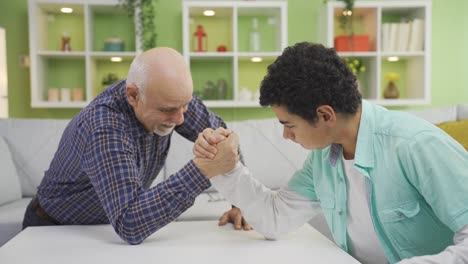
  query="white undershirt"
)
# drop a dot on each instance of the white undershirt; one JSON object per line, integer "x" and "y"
{"x": 363, "y": 242}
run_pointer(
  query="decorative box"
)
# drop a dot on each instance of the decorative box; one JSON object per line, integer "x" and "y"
{"x": 352, "y": 43}
{"x": 114, "y": 44}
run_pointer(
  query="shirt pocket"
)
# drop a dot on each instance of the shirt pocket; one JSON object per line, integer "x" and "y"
{"x": 410, "y": 226}
{"x": 400, "y": 213}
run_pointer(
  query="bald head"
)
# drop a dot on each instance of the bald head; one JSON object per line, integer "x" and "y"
{"x": 160, "y": 69}
{"x": 159, "y": 89}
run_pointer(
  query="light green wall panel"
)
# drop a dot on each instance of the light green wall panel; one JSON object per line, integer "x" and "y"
{"x": 448, "y": 72}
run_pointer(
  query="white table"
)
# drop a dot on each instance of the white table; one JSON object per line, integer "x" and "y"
{"x": 185, "y": 242}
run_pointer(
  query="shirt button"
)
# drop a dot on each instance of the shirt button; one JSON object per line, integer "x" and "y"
{"x": 340, "y": 212}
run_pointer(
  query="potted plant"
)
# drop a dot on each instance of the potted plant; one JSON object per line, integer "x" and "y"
{"x": 350, "y": 41}
{"x": 346, "y": 17}
{"x": 145, "y": 28}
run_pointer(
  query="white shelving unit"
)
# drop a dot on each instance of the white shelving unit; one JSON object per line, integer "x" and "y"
{"x": 412, "y": 66}
{"x": 229, "y": 26}
{"x": 85, "y": 65}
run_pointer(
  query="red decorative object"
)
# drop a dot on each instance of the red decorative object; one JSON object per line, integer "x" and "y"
{"x": 221, "y": 48}
{"x": 352, "y": 43}
{"x": 200, "y": 40}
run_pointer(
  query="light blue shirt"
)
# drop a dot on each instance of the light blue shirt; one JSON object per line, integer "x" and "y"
{"x": 417, "y": 183}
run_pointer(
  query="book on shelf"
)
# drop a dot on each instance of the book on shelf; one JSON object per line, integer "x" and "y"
{"x": 416, "y": 42}
{"x": 404, "y": 36}
{"x": 386, "y": 37}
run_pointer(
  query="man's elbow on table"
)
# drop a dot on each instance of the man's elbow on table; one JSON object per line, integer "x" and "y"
{"x": 131, "y": 238}
{"x": 131, "y": 233}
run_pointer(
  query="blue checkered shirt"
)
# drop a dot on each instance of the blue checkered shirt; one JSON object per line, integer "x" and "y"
{"x": 106, "y": 163}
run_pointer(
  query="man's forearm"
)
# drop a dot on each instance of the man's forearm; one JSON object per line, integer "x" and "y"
{"x": 272, "y": 213}
{"x": 160, "y": 205}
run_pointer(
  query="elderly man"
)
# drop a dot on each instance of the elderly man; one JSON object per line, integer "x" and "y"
{"x": 111, "y": 152}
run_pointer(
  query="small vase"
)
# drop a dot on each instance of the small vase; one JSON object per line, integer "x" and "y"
{"x": 222, "y": 89}
{"x": 391, "y": 91}
{"x": 209, "y": 91}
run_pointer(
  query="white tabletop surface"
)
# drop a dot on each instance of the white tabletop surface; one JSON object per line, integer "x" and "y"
{"x": 184, "y": 242}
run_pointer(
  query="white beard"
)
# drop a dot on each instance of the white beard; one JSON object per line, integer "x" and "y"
{"x": 164, "y": 132}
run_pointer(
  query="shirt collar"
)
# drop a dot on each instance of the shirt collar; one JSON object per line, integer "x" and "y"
{"x": 364, "y": 155}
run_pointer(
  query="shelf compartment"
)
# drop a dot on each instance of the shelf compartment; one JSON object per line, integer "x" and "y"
{"x": 204, "y": 71}
{"x": 51, "y": 23}
{"x": 367, "y": 80}
{"x": 268, "y": 25}
{"x": 218, "y": 28}
{"x": 111, "y": 22}
{"x": 403, "y": 29}
{"x": 103, "y": 70}
{"x": 61, "y": 72}
{"x": 251, "y": 75}
{"x": 411, "y": 83}
{"x": 364, "y": 23}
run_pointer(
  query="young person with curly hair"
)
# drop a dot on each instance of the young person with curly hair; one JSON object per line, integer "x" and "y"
{"x": 393, "y": 187}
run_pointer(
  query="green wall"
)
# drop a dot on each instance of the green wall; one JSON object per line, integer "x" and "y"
{"x": 449, "y": 75}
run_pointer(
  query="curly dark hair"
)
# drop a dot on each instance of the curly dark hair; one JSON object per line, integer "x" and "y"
{"x": 307, "y": 76}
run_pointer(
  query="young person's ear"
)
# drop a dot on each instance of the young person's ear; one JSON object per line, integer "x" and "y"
{"x": 326, "y": 113}
{"x": 132, "y": 94}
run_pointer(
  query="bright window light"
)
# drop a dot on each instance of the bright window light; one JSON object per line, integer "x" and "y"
{"x": 256, "y": 59}
{"x": 116, "y": 59}
{"x": 66, "y": 10}
{"x": 393, "y": 59}
{"x": 209, "y": 12}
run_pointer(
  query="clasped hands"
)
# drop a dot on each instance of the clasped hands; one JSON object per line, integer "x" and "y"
{"x": 216, "y": 152}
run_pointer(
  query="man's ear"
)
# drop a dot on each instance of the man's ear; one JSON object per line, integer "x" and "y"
{"x": 327, "y": 114}
{"x": 132, "y": 94}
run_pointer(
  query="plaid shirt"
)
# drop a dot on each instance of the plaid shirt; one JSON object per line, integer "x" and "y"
{"x": 106, "y": 163}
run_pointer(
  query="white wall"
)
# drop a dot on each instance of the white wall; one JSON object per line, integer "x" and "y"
{"x": 3, "y": 76}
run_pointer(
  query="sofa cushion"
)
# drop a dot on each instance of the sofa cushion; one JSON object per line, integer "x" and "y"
{"x": 271, "y": 158}
{"x": 10, "y": 188}
{"x": 11, "y": 219}
{"x": 462, "y": 111}
{"x": 457, "y": 130}
{"x": 437, "y": 115}
{"x": 32, "y": 143}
